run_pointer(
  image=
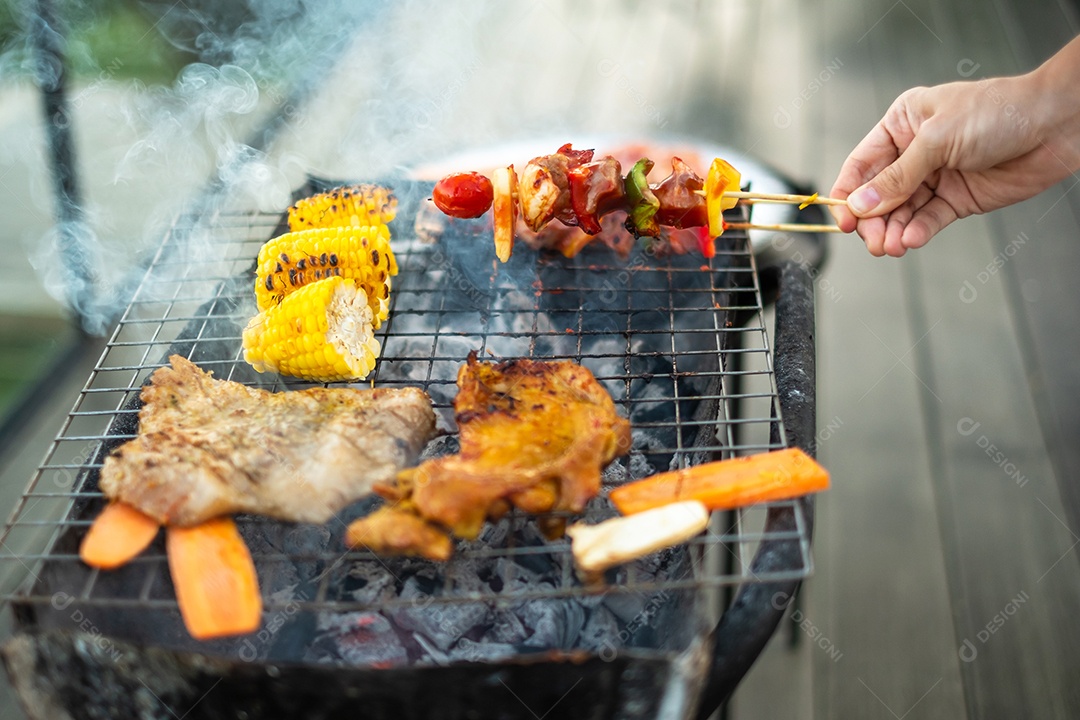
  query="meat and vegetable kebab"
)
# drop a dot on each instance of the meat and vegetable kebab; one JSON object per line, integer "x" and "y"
{"x": 577, "y": 189}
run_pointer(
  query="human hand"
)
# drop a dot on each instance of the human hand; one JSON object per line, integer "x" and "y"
{"x": 950, "y": 151}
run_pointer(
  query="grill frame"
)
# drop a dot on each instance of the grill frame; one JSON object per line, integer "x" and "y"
{"x": 138, "y": 330}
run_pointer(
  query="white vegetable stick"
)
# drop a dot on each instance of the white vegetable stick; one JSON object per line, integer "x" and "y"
{"x": 618, "y": 540}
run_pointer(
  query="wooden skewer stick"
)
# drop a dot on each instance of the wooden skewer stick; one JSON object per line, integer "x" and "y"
{"x": 783, "y": 227}
{"x": 773, "y": 201}
{"x": 780, "y": 198}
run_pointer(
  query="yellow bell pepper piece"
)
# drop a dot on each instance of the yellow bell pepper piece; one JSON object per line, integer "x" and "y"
{"x": 721, "y": 178}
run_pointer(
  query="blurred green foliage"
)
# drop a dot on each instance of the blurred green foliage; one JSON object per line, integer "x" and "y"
{"x": 153, "y": 40}
{"x": 123, "y": 42}
{"x": 27, "y": 345}
{"x": 122, "y": 39}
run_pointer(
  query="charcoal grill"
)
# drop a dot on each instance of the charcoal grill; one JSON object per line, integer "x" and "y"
{"x": 679, "y": 342}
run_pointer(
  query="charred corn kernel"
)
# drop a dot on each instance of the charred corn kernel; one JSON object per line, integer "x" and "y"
{"x": 360, "y": 254}
{"x": 353, "y": 206}
{"x": 323, "y": 332}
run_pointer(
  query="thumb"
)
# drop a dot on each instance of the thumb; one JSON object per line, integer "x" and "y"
{"x": 897, "y": 182}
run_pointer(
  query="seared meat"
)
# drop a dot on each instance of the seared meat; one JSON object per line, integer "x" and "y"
{"x": 211, "y": 447}
{"x": 544, "y": 187}
{"x": 393, "y": 530}
{"x": 534, "y": 435}
{"x": 569, "y": 241}
{"x": 539, "y": 193}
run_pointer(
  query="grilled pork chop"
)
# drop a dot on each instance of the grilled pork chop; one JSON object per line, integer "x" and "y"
{"x": 211, "y": 447}
{"x": 534, "y": 435}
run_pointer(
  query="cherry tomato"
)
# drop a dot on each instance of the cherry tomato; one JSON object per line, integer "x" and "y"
{"x": 463, "y": 195}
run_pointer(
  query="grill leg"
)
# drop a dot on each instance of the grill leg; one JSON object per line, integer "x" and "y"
{"x": 734, "y": 363}
{"x": 758, "y": 608}
{"x": 73, "y": 234}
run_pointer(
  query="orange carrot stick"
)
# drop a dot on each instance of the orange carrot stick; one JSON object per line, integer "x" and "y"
{"x": 118, "y": 534}
{"x": 215, "y": 580}
{"x": 725, "y": 484}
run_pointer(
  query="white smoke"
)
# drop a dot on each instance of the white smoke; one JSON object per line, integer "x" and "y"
{"x": 389, "y": 85}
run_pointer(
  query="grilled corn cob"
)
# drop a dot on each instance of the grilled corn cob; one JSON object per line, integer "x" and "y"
{"x": 355, "y": 206}
{"x": 360, "y": 254}
{"x": 322, "y": 332}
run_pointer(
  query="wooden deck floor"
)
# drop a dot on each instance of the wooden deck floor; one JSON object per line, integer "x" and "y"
{"x": 948, "y": 579}
{"x": 947, "y": 567}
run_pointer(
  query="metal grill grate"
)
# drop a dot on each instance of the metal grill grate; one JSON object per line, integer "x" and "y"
{"x": 679, "y": 342}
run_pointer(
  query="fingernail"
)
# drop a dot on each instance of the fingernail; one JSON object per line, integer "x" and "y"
{"x": 865, "y": 200}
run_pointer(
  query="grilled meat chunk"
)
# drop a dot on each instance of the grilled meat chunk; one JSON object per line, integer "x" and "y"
{"x": 539, "y": 195}
{"x": 544, "y": 188}
{"x": 534, "y": 435}
{"x": 211, "y": 447}
{"x": 393, "y": 530}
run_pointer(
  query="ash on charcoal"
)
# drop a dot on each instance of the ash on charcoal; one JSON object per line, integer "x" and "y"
{"x": 615, "y": 474}
{"x": 358, "y": 509}
{"x": 356, "y": 638}
{"x": 452, "y": 346}
{"x": 639, "y": 465}
{"x": 265, "y": 538}
{"x": 440, "y": 447}
{"x": 542, "y": 565}
{"x": 506, "y": 628}
{"x": 473, "y": 577}
{"x": 514, "y": 577}
{"x": 293, "y": 576}
{"x": 545, "y": 565}
{"x": 664, "y": 566}
{"x": 591, "y": 600}
{"x": 504, "y": 574}
{"x": 430, "y": 653}
{"x": 368, "y": 582}
{"x": 555, "y": 623}
{"x": 601, "y": 630}
{"x": 306, "y": 541}
{"x": 431, "y": 224}
{"x": 494, "y": 534}
{"x": 471, "y": 651}
{"x": 441, "y": 623}
{"x": 625, "y": 606}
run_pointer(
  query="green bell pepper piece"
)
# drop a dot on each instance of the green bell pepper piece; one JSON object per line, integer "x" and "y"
{"x": 642, "y": 202}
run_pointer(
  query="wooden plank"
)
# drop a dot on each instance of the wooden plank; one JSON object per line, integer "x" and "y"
{"x": 1009, "y": 539}
{"x": 1041, "y": 281}
{"x": 884, "y": 564}
{"x": 1013, "y": 576}
{"x": 1003, "y": 547}
{"x": 1035, "y": 30}
{"x": 878, "y": 551}
{"x": 879, "y": 556}
{"x": 1039, "y": 277}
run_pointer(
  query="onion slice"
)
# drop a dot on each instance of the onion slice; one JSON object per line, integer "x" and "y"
{"x": 621, "y": 539}
{"x": 504, "y": 210}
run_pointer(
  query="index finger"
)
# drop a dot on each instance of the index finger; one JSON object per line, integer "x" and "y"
{"x": 873, "y": 154}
